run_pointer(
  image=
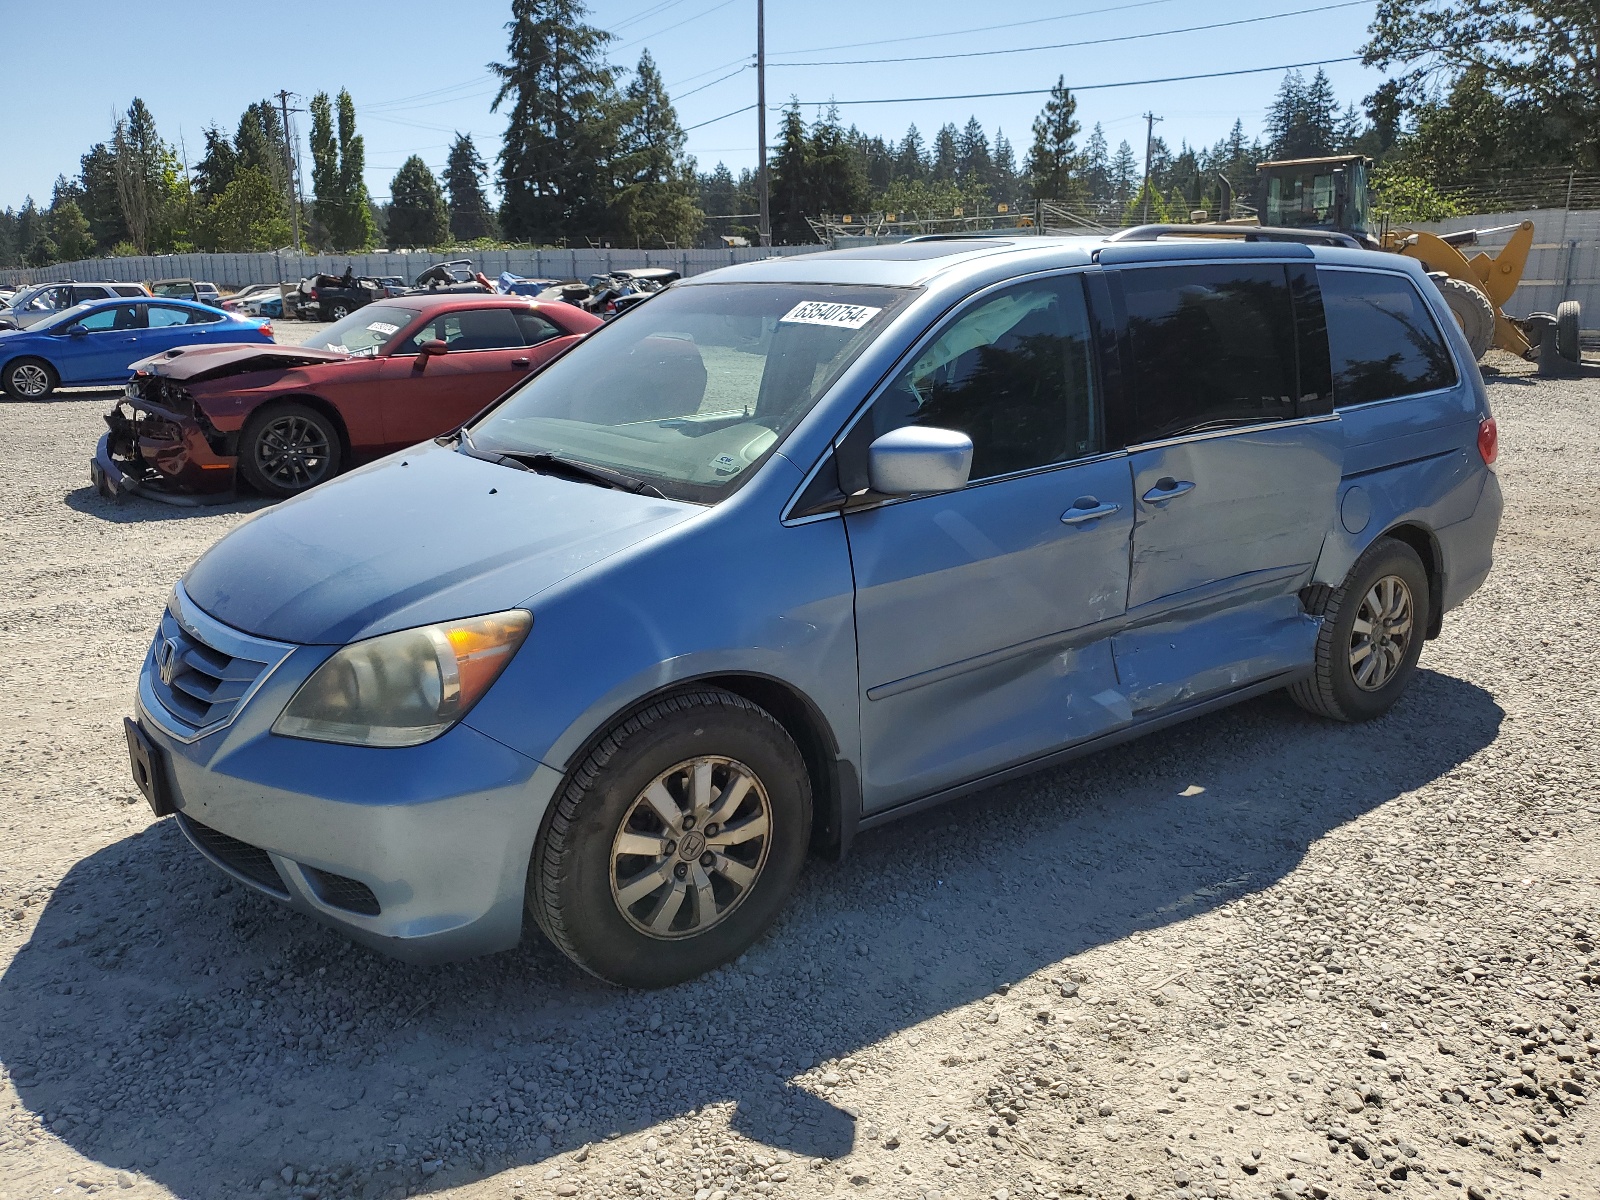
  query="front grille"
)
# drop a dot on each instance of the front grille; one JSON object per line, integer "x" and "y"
{"x": 201, "y": 671}
{"x": 254, "y": 863}
{"x": 341, "y": 891}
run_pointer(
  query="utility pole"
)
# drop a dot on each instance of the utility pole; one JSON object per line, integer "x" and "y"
{"x": 1150, "y": 120}
{"x": 761, "y": 121}
{"x": 288, "y": 166}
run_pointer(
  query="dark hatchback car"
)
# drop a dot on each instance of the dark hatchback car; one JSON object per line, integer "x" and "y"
{"x": 289, "y": 417}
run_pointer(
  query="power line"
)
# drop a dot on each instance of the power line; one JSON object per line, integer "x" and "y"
{"x": 677, "y": 24}
{"x": 1125, "y": 37}
{"x": 723, "y": 117}
{"x": 923, "y": 37}
{"x": 1086, "y": 87}
{"x": 713, "y": 83}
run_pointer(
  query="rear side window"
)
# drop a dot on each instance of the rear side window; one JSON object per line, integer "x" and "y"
{"x": 536, "y": 329}
{"x": 1382, "y": 338}
{"x": 1211, "y": 346}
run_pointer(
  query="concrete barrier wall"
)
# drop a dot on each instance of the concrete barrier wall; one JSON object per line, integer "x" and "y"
{"x": 235, "y": 270}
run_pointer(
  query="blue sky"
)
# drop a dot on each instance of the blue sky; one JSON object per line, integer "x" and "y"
{"x": 416, "y": 67}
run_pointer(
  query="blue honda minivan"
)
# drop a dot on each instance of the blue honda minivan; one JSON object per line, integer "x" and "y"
{"x": 799, "y": 547}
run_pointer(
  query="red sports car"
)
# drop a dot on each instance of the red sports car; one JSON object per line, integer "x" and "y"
{"x": 285, "y": 417}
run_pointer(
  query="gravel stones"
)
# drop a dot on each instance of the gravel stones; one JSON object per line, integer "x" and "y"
{"x": 1379, "y": 941}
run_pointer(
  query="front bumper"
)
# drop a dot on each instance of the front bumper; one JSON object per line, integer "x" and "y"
{"x": 160, "y": 452}
{"x": 419, "y": 852}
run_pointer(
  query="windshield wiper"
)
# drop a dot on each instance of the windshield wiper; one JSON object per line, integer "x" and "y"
{"x": 546, "y": 463}
{"x": 555, "y": 464}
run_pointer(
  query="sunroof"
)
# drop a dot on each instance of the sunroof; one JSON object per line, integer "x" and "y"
{"x": 915, "y": 250}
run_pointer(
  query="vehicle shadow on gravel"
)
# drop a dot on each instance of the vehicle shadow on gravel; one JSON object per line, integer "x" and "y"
{"x": 167, "y": 1022}
{"x": 137, "y": 510}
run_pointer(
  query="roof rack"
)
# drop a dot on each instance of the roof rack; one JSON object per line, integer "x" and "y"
{"x": 974, "y": 236}
{"x": 1247, "y": 233}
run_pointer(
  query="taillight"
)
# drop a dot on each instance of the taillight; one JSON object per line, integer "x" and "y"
{"x": 266, "y": 328}
{"x": 1488, "y": 440}
{"x": 312, "y": 294}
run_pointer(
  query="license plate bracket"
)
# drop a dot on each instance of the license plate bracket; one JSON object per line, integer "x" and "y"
{"x": 144, "y": 759}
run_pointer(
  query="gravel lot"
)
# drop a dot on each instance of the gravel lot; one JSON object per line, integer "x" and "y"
{"x": 1259, "y": 955}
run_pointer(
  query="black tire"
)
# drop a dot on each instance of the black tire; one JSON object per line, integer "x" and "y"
{"x": 289, "y": 448}
{"x": 572, "y": 892}
{"x": 1473, "y": 311}
{"x": 29, "y": 379}
{"x": 1569, "y": 320}
{"x": 1334, "y": 690}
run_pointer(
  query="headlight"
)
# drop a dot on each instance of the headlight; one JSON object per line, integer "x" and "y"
{"x": 404, "y": 688}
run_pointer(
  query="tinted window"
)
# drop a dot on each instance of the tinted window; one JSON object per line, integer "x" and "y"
{"x": 1210, "y": 346}
{"x": 536, "y": 329}
{"x": 1013, "y": 373}
{"x": 472, "y": 329}
{"x": 90, "y": 292}
{"x": 1382, "y": 338}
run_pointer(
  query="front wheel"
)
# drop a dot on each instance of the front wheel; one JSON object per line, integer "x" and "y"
{"x": 287, "y": 448}
{"x": 336, "y": 312}
{"x": 675, "y": 843}
{"x": 1569, "y": 318}
{"x": 29, "y": 379}
{"x": 1371, "y": 638}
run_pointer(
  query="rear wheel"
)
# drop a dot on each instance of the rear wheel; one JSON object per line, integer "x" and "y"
{"x": 337, "y": 311}
{"x": 1371, "y": 638}
{"x": 676, "y": 842}
{"x": 1472, "y": 311}
{"x": 288, "y": 448}
{"x": 1569, "y": 318}
{"x": 29, "y": 379}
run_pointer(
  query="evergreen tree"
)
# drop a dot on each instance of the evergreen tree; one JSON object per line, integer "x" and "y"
{"x": 717, "y": 192}
{"x": 43, "y": 252}
{"x": 145, "y": 172}
{"x": 838, "y": 183}
{"x": 9, "y": 254}
{"x": 1303, "y": 119}
{"x": 946, "y": 156}
{"x": 217, "y": 166}
{"x": 1004, "y": 188}
{"x": 69, "y": 230}
{"x": 655, "y": 201}
{"x": 1123, "y": 174}
{"x": 974, "y": 163}
{"x": 100, "y": 204}
{"x": 911, "y": 158}
{"x": 470, "y": 215}
{"x": 418, "y": 216}
{"x": 561, "y": 129}
{"x": 342, "y": 216}
{"x": 261, "y": 145}
{"x": 1053, "y": 155}
{"x": 790, "y": 180}
{"x": 1094, "y": 168}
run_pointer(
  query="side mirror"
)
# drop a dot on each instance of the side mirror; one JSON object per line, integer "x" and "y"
{"x": 77, "y": 331}
{"x": 916, "y": 459}
{"x": 436, "y": 346}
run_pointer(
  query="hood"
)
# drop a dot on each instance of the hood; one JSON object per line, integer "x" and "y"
{"x": 193, "y": 364}
{"x": 423, "y": 536}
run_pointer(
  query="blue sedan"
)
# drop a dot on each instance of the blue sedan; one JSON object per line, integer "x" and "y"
{"x": 94, "y": 343}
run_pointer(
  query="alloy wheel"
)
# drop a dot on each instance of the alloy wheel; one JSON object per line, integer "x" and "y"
{"x": 1381, "y": 634}
{"x": 691, "y": 847}
{"x": 292, "y": 452}
{"x": 30, "y": 380}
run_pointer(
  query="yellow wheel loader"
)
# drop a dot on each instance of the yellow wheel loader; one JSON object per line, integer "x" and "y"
{"x": 1333, "y": 195}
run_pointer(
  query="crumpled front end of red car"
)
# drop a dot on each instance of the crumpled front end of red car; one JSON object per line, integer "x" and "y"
{"x": 161, "y": 440}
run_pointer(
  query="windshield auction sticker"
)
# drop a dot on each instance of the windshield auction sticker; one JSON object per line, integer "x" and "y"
{"x": 383, "y": 327}
{"x": 822, "y": 312}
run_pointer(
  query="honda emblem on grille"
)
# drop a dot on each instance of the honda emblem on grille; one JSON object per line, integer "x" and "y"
{"x": 167, "y": 660}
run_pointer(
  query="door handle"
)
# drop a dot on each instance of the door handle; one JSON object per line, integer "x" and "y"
{"x": 520, "y": 362}
{"x": 1166, "y": 489}
{"x": 1079, "y": 514}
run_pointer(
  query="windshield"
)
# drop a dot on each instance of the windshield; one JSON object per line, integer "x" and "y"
{"x": 36, "y": 299}
{"x": 364, "y": 332}
{"x": 171, "y": 289}
{"x": 692, "y": 390}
